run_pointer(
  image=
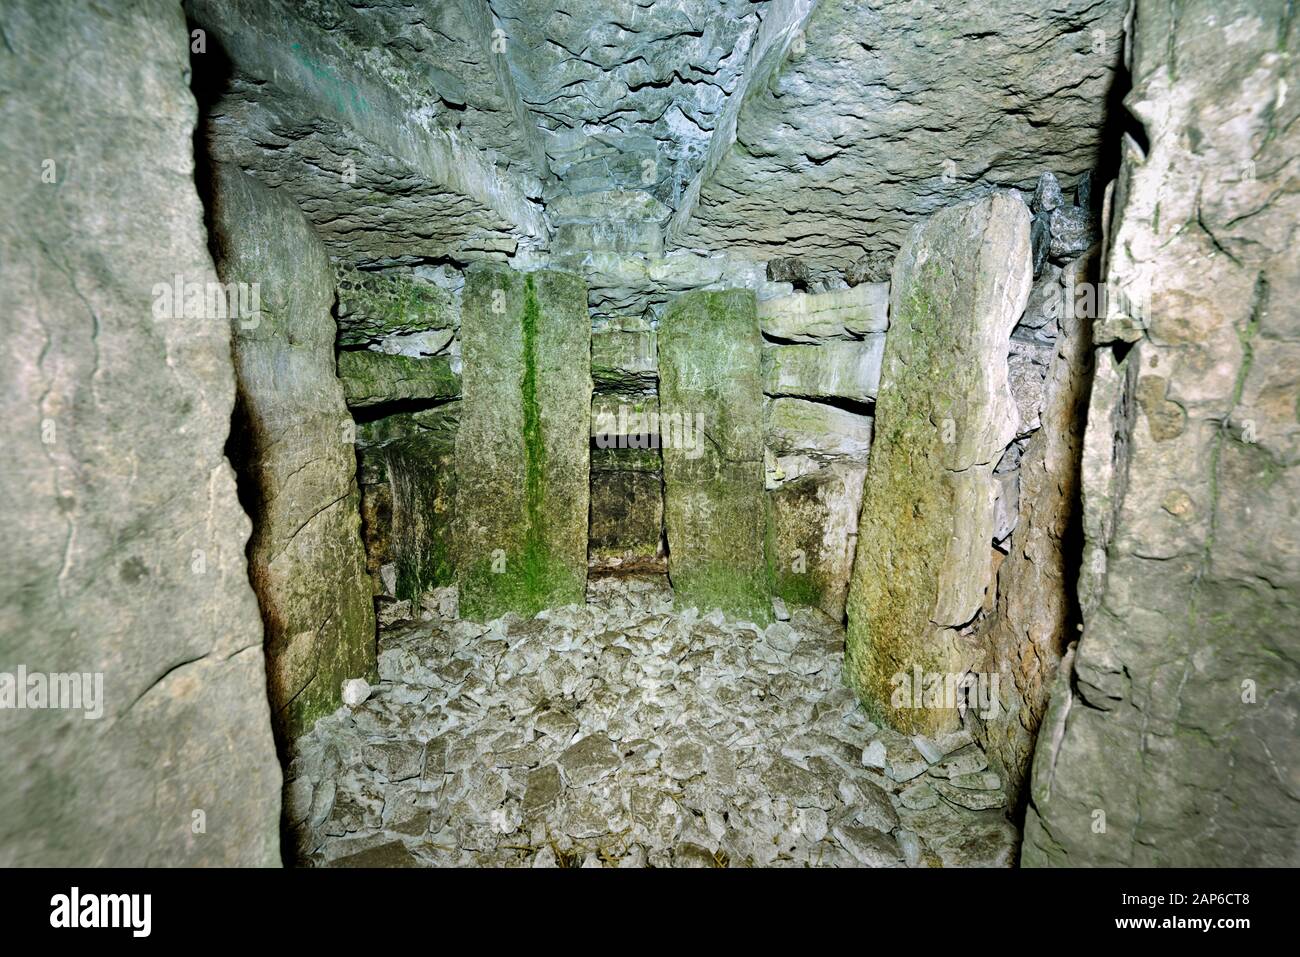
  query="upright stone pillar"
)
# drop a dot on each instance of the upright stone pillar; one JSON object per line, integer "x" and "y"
{"x": 292, "y": 447}
{"x": 711, "y": 430}
{"x": 522, "y": 452}
{"x": 944, "y": 416}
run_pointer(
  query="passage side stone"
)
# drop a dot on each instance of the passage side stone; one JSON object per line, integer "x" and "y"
{"x": 1181, "y": 715}
{"x": 292, "y": 447}
{"x": 124, "y": 552}
{"x": 711, "y": 428}
{"x": 944, "y": 415}
{"x": 522, "y": 452}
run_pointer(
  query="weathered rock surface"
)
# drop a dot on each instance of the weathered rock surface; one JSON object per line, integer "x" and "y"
{"x": 840, "y": 152}
{"x": 291, "y": 446}
{"x": 357, "y": 139}
{"x": 873, "y": 267}
{"x": 1036, "y": 612}
{"x": 376, "y": 378}
{"x": 373, "y": 306}
{"x": 711, "y": 424}
{"x": 126, "y": 542}
{"x": 1176, "y": 728}
{"x": 421, "y": 479}
{"x": 944, "y": 415}
{"x": 522, "y": 448}
{"x": 839, "y": 314}
{"x": 627, "y": 507}
{"x": 814, "y": 428}
{"x": 620, "y": 284}
{"x": 627, "y": 95}
{"x": 832, "y": 370}
{"x": 812, "y": 533}
{"x": 624, "y": 356}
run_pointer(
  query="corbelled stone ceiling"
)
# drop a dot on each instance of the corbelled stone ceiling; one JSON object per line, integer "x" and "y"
{"x": 412, "y": 130}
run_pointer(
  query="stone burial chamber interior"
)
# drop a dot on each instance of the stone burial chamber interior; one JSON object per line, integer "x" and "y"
{"x": 626, "y": 433}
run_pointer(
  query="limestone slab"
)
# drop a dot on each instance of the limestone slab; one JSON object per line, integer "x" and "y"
{"x": 711, "y": 427}
{"x": 944, "y": 415}
{"x": 522, "y": 451}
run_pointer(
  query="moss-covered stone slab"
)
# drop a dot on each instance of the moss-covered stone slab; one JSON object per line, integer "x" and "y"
{"x": 711, "y": 427}
{"x": 812, "y": 531}
{"x": 944, "y": 415}
{"x": 421, "y": 474}
{"x": 802, "y": 426}
{"x": 373, "y": 306}
{"x": 522, "y": 448}
{"x": 291, "y": 444}
{"x": 833, "y": 370}
{"x": 375, "y": 378}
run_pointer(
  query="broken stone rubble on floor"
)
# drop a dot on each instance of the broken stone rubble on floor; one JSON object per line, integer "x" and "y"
{"x": 628, "y": 733}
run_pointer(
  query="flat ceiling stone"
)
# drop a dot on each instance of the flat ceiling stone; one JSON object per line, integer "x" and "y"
{"x": 887, "y": 110}
{"x": 305, "y": 108}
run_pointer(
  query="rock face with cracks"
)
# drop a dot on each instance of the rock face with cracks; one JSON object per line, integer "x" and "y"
{"x": 125, "y": 556}
{"x": 943, "y": 417}
{"x": 293, "y": 452}
{"x": 889, "y": 110}
{"x": 1178, "y": 720}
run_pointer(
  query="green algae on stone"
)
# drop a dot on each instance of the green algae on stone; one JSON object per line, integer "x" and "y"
{"x": 422, "y": 486}
{"x": 944, "y": 414}
{"x": 373, "y": 306}
{"x": 374, "y": 378}
{"x": 812, "y": 527}
{"x": 711, "y": 427}
{"x": 522, "y": 494}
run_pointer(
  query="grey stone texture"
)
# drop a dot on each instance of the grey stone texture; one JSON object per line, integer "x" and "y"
{"x": 711, "y": 426}
{"x": 358, "y": 138}
{"x": 1178, "y": 720}
{"x": 375, "y": 378}
{"x": 836, "y": 154}
{"x": 944, "y": 415}
{"x": 292, "y": 446}
{"x": 125, "y": 554}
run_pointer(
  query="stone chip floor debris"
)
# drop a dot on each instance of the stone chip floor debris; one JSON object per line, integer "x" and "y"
{"x": 624, "y": 733}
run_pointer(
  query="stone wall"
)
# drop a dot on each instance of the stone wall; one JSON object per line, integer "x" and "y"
{"x": 292, "y": 447}
{"x": 125, "y": 552}
{"x": 1172, "y": 739}
{"x": 399, "y": 361}
{"x": 821, "y": 369}
{"x": 626, "y": 465}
